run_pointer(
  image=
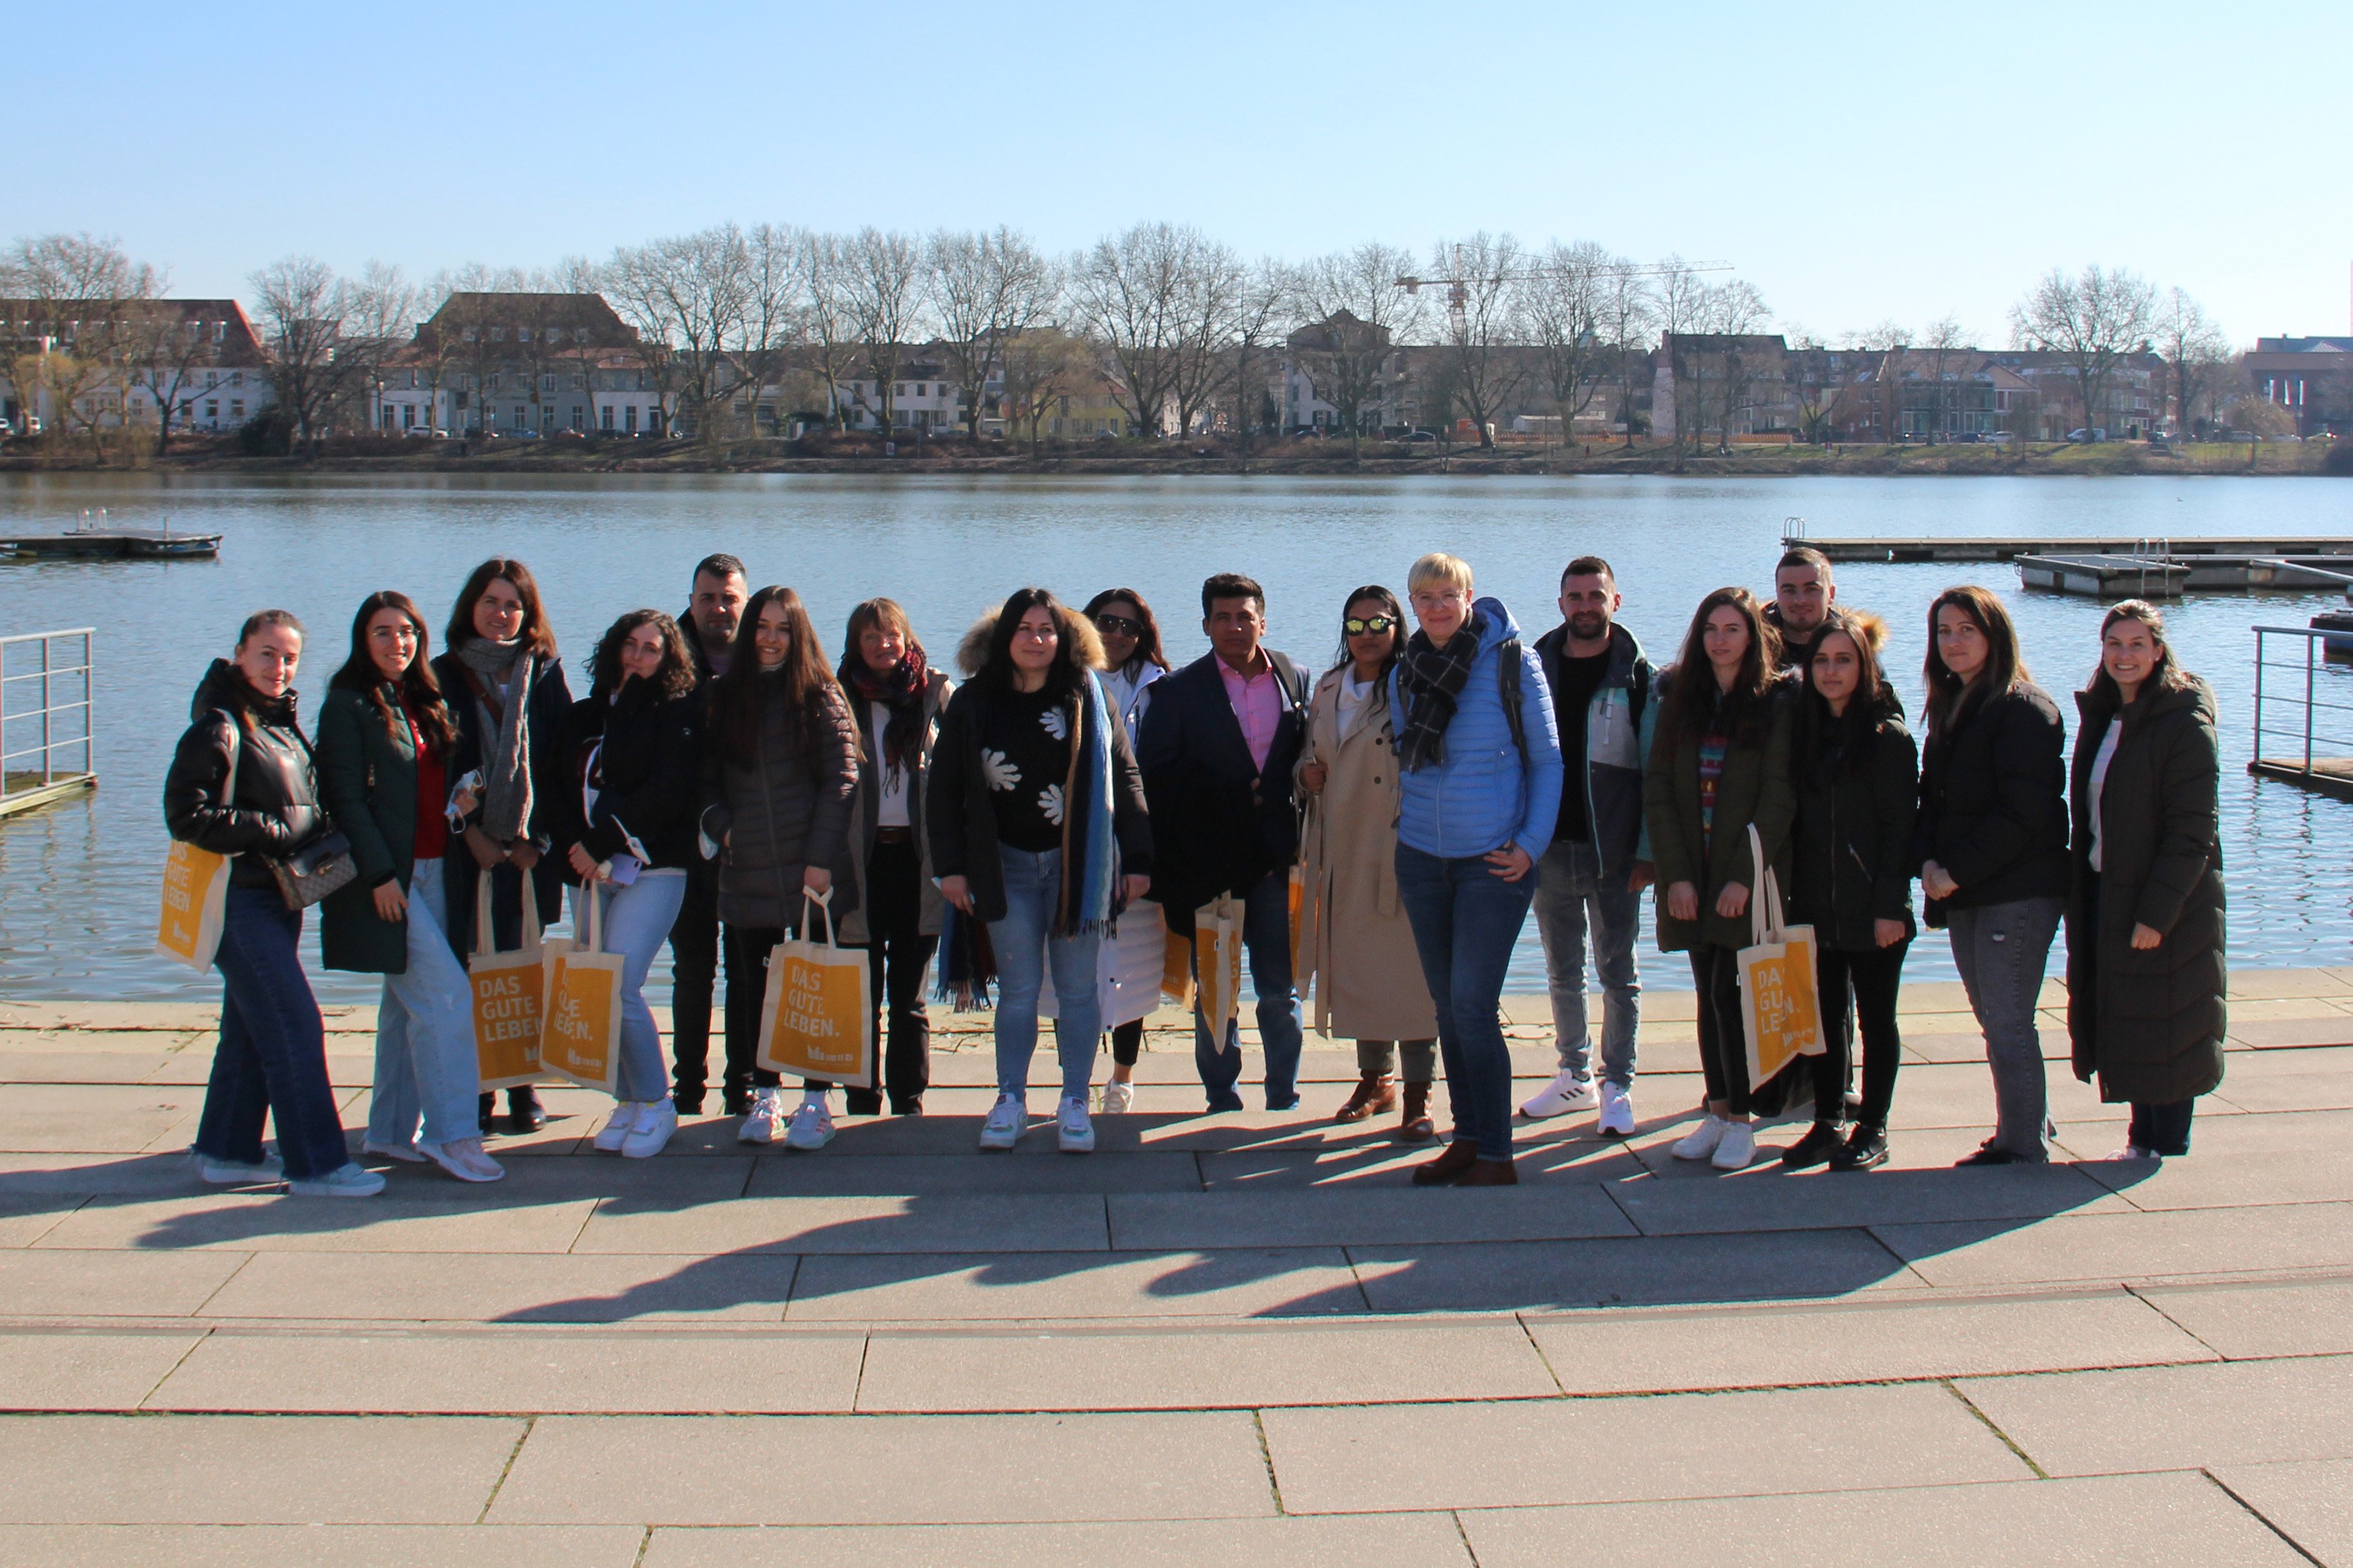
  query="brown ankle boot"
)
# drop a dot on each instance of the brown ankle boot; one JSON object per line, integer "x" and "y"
{"x": 1490, "y": 1174}
{"x": 1415, "y": 1125}
{"x": 1459, "y": 1157}
{"x": 1374, "y": 1093}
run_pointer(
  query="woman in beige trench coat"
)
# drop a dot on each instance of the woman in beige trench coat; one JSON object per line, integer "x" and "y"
{"x": 1355, "y": 944}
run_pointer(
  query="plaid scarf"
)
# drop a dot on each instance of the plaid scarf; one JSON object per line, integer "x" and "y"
{"x": 1429, "y": 681}
{"x": 901, "y": 689}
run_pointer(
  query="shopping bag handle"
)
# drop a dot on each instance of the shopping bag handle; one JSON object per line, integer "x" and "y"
{"x": 824, "y": 902}
{"x": 1764, "y": 898}
{"x": 486, "y": 943}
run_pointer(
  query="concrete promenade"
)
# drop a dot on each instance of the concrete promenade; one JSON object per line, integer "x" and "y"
{"x": 1240, "y": 1340}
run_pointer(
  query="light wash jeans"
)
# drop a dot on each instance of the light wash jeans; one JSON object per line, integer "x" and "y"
{"x": 1024, "y": 953}
{"x": 1572, "y": 903}
{"x": 426, "y": 1066}
{"x": 637, "y": 922}
{"x": 2000, "y": 950}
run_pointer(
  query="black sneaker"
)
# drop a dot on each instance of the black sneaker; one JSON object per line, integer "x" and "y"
{"x": 1864, "y": 1147}
{"x": 490, "y": 1105}
{"x": 1988, "y": 1155}
{"x": 687, "y": 1105}
{"x": 1819, "y": 1144}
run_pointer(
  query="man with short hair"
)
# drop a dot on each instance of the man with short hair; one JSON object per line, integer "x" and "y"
{"x": 1590, "y": 879}
{"x": 715, "y": 607}
{"x": 1803, "y": 595}
{"x": 1219, "y": 747}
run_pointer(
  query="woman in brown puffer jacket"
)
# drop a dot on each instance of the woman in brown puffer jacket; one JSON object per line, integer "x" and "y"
{"x": 2146, "y": 980}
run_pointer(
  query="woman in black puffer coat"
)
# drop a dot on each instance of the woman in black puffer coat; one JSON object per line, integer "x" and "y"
{"x": 2146, "y": 980}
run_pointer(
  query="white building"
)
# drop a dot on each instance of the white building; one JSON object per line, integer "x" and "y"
{"x": 201, "y": 356}
{"x": 495, "y": 363}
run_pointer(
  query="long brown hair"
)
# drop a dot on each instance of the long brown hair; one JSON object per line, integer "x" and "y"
{"x": 676, "y": 677}
{"x": 1874, "y": 701}
{"x": 1691, "y": 697}
{"x": 538, "y": 636}
{"x": 1147, "y": 647}
{"x": 2004, "y": 670}
{"x": 421, "y": 688}
{"x": 807, "y": 688}
{"x": 2168, "y": 676}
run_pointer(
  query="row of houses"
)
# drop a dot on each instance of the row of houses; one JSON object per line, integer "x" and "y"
{"x": 200, "y": 359}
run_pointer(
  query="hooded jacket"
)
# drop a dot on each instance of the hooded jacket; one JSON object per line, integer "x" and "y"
{"x": 1753, "y": 789}
{"x": 649, "y": 749}
{"x": 276, "y": 809}
{"x": 1619, "y": 724}
{"x": 367, "y": 774}
{"x": 782, "y": 810}
{"x": 1487, "y": 789}
{"x": 1993, "y": 803}
{"x": 1853, "y": 857}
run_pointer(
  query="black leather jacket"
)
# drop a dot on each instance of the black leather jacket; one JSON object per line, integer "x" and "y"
{"x": 276, "y": 810}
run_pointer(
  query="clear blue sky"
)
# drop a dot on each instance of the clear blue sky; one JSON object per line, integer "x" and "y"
{"x": 1858, "y": 163}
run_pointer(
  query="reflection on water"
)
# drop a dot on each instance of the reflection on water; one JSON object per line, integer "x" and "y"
{"x": 78, "y": 881}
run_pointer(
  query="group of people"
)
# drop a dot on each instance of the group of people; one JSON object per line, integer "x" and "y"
{"x": 1376, "y": 835}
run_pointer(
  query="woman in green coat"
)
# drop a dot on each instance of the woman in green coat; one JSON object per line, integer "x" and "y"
{"x": 384, "y": 740}
{"x": 1719, "y": 765}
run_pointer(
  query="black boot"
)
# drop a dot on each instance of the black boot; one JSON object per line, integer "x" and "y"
{"x": 1864, "y": 1147}
{"x": 523, "y": 1112}
{"x": 1816, "y": 1147}
{"x": 488, "y": 1111}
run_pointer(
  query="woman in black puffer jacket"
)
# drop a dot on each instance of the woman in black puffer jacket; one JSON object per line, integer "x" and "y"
{"x": 242, "y": 784}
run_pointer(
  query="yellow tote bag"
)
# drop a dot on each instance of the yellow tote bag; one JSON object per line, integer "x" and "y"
{"x": 1780, "y": 1012}
{"x": 195, "y": 894}
{"x": 1217, "y": 959}
{"x": 510, "y": 991}
{"x": 818, "y": 1018}
{"x": 582, "y": 1037}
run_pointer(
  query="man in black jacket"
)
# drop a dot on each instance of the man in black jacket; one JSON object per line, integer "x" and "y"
{"x": 1219, "y": 742}
{"x": 1803, "y": 595}
{"x": 720, "y": 593}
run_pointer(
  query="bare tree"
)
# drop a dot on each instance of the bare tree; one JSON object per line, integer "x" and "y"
{"x": 1625, "y": 314}
{"x": 1356, "y": 316}
{"x": 2093, "y": 322}
{"x": 688, "y": 294}
{"x": 1043, "y": 366}
{"x": 2194, "y": 348}
{"x": 1209, "y": 303}
{"x": 1485, "y": 327}
{"x": 89, "y": 307}
{"x": 881, "y": 289}
{"x": 1562, "y": 303}
{"x": 1940, "y": 345}
{"x": 823, "y": 268}
{"x": 1736, "y": 313}
{"x": 984, "y": 290}
{"x": 1262, "y": 318}
{"x": 381, "y": 319}
{"x": 1130, "y": 293}
{"x": 305, "y": 307}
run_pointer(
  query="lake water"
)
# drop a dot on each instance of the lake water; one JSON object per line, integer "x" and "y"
{"x": 78, "y": 883}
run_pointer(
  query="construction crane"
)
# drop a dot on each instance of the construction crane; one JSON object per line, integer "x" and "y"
{"x": 1458, "y": 288}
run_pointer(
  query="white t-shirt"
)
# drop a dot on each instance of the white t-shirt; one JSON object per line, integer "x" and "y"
{"x": 2100, "y": 760}
{"x": 890, "y": 810}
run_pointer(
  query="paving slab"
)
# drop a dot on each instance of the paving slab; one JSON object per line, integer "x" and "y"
{"x": 244, "y": 1469}
{"x": 2263, "y": 1318}
{"x": 1864, "y": 1341}
{"x": 244, "y": 1545}
{"x": 1403, "y": 1540}
{"x": 2211, "y": 1178}
{"x": 161, "y": 1174}
{"x": 839, "y": 1174}
{"x": 91, "y": 1063}
{"x": 2320, "y": 1080}
{"x": 2174, "y": 1417}
{"x": 40, "y": 1282}
{"x": 277, "y": 1224}
{"x": 484, "y": 1287}
{"x": 92, "y": 1118}
{"x": 2108, "y": 1522}
{"x": 658, "y": 1182}
{"x": 78, "y": 1369}
{"x": 2333, "y": 1027}
{"x": 518, "y": 1372}
{"x": 1230, "y": 1283}
{"x": 1041, "y": 1222}
{"x": 1766, "y": 1197}
{"x": 1546, "y": 1153}
{"x": 1637, "y": 1270}
{"x": 1359, "y": 1458}
{"x": 1982, "y": 1254}
{"x": 2251, "y": 984}
{"x": 887, "y": 1469}
{"x": 1360, "y": 1215}
{"x": 26, "y": 1217}
{"x": 2310, "y": 1501}
{"x": 1238, "y": 1366}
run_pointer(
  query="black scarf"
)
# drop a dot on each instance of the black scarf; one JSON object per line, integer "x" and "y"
{"x": 1431, "y": 678}
{"x": 900, "y": 688}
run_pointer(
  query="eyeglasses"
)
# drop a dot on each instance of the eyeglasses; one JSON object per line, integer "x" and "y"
{"x": 1357, "y": 626}
{"x": 1118, "y": 626}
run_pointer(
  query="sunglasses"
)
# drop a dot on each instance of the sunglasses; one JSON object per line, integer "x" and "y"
{"x": 1118, "y": 626}
{"x": 1370, "y": 624}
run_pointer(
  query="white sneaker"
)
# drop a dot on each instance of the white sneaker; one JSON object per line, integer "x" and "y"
{"x": 1118, "y": 1098}
{"x": 760, "y": 1127}
{"x": 1617, "y": 1112}
{"x": 1565, "y": 1093}
{"x": 656, "y": 1120}
{"x": 618, "y": 1126}
{"x": 1701, "y": 1140}
{"x": 463, "y": 1158}
{"x": 1075, "y": 1134}
{"x": 405, "y": 1153}
{"x": 1737, "y": 1148}
{"x": 235, "y": 1172}
{"x": 1005, "y": 1120}
{"x": 2135, "y": 1152}
{"x": 346, "y": 1181}
{"x": 812, "y": 1124}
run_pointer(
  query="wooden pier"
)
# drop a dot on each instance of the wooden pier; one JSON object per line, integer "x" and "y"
{"x": 117, "y": 544}
{"x": 2328, "y": 775}
{"x": 2010, "y": 549}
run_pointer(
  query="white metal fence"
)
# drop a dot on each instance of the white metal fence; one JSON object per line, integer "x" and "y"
{"x": 47, "y": 733}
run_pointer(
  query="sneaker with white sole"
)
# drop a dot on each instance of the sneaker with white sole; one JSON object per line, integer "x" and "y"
{"x": 1617, "y": 1120}
{"x": 343, "y": 1182}
{"x": 1005, "y": 1120}
{"x": 1737, "y": 1150}
{"x": 1118, "y": 1098}
{"x": 760, "y": 1126}
{"x": 2135, "y": 1152}
{"x": 812, "y": 1124}
{"x": 1701, "y": 1140}
{"x": 236, "y": 1172}
{"x": 405, "y": 1153}
{"x": 1073, "y": 1132}
{"x": 617, "y": 1126}
{"x": 463, "y": 1158}
{"x": 656, "y": 1120}
{"x": 1565, "y": 1093}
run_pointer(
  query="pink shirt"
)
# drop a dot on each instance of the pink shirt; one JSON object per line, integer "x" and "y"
{"x": 1256, "y": 704}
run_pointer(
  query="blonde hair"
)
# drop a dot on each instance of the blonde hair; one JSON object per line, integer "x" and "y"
{"x": 1438, "y": 567}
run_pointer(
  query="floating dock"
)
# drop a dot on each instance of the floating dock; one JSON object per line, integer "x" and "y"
{"x": 2170, "y": 576}
{"x": 114, "y": 544}
{"x": 29, "y": 791}
{"x": 2010, "y": 549}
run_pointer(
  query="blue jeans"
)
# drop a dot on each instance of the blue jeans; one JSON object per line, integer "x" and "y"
{"x": 1573, "y": 900}
{"x": 1024, "y": 953}
{"x": 425, "y": 1065}
{"x": 1266, "y": 942}
{"x": 636, "y": 921}
{"x": 1465, "y": 921}
{"x": 272, "y": 1057}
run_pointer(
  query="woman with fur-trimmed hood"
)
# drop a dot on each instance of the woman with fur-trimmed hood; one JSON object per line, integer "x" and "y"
{"x": 1038, "y": 829}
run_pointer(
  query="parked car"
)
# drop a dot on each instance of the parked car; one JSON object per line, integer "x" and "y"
{"x": 425, "y": 433}
{"x": 1995, "y": 437}
{"x": 1421, "y": 436}
{"x": 525, "y": 435}
{"x": 2080, "y": 436}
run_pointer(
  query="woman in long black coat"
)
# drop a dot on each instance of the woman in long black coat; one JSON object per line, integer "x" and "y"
{"x": 2145, "y": 977}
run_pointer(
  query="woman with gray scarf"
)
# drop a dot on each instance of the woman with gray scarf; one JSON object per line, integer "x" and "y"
{"x": 506, "y": 687}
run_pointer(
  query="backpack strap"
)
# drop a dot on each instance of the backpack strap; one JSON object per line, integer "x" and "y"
{"x": 1508, "y": 675}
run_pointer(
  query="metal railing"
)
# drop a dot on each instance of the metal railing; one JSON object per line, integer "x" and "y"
{"x": 46, "y": 679}
{"x": 2293, "y": 683}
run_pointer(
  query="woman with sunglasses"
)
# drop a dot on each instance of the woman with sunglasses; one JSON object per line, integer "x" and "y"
{"x": 1355, "y": 942}
{"x": 1133, "y": 661}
